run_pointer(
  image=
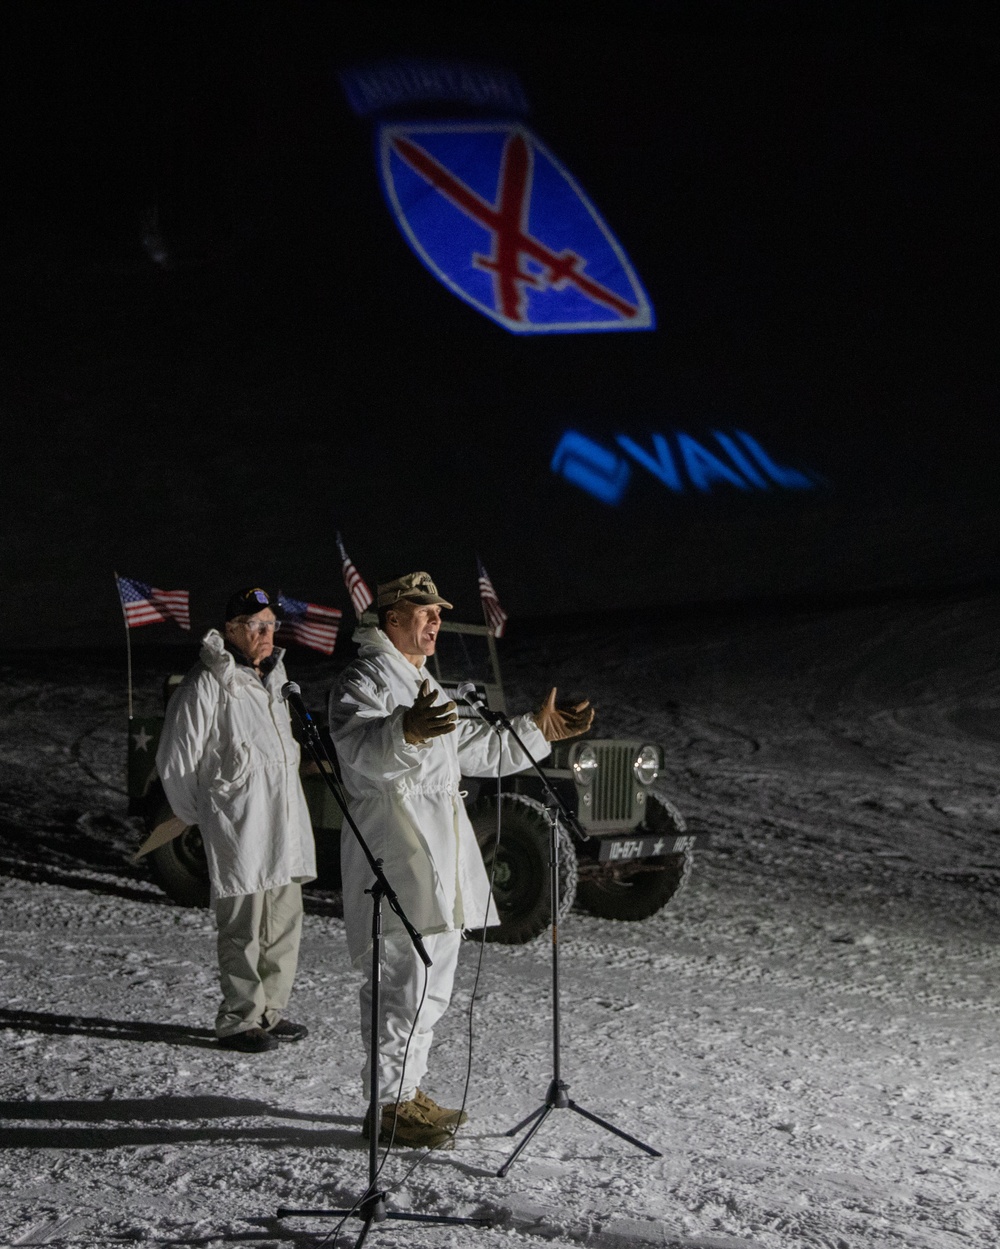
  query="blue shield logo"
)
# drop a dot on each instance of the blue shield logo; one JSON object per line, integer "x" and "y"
{"x": 497, "y": 219}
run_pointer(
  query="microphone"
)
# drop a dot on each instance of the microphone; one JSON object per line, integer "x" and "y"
{"x": 292, "y": 694}
{"x": 467, "y": 694}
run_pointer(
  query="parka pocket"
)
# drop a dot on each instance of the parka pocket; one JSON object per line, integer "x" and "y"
{"x": 234, "y": 768}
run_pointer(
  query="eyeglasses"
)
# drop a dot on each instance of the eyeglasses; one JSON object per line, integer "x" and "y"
{"x": 261, "y": 626}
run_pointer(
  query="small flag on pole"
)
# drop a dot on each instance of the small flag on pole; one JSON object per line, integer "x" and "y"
{"x": 361, "y": 596}
{"x": 495, "y": 615}
{"x": 309, "y": 624}
{"x": 145, "y": 604}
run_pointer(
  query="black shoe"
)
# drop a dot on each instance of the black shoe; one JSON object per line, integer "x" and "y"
{"x": 286, "y": 1030}
{"x": 249, "y": 1041}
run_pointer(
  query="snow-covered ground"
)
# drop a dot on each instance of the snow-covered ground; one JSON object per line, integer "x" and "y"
{"x": 808, "y": 1033}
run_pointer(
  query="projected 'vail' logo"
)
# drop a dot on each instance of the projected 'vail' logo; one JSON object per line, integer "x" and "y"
{"x": 678, "y": 461}
{"x": 496, "y": 218}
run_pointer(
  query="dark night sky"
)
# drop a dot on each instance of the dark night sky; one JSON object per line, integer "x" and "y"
{"x": 808, "y": 193}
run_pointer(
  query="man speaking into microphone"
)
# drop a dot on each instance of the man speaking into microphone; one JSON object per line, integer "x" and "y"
{"x": 229, "y": 763}
{"x": 402, "y": 752}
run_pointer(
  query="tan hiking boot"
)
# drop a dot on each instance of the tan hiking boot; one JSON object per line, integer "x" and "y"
{"x": 440, "y": 1115}
{"x": 407, "y": 1124}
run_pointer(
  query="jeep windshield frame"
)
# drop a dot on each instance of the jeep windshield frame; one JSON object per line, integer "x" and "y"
{"x": 468, "y": 652}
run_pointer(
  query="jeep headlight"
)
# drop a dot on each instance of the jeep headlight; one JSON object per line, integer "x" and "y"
{"x": 647, "y": 765}
{"x": 585, "y": 765}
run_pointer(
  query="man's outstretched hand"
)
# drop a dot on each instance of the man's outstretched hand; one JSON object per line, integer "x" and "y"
{"x": 558, "y": 723}
{"x": 423, "y": 720}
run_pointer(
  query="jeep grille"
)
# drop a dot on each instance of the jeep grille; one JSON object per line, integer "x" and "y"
{"x": 614, "y": 785}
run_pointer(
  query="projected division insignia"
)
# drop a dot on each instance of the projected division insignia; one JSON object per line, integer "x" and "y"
{"x": 498, "y": 220}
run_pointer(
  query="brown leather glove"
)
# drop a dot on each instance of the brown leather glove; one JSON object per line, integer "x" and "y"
{"x": 558, "y": 723}
{"x": 423, "y": 720}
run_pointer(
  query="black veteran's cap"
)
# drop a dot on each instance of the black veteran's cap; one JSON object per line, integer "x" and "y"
{"x": 416, "y": 586}
{"x": 250, "y": 602}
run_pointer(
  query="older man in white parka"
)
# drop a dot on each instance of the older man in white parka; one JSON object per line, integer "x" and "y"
{"x": 229, "y": 764}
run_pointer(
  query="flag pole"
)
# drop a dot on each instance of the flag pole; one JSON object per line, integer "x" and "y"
{"x": 479, "y": 583}
{"x": 128, "y": 644}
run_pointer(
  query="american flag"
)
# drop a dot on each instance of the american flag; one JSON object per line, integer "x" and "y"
{"x": 495, "y": 615}
{"x": 361, "y": 596}
{"x": 309, "y": 624}
{"x": 145, "y": 604}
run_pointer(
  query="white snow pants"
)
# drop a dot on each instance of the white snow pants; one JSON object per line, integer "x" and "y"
{"x": 401, "y": 987}
{"x": 258, "y": 944}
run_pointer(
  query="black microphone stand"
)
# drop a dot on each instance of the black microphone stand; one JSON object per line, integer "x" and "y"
{"x": 371, "y": 1205}
{"x": 557, "y": 1097}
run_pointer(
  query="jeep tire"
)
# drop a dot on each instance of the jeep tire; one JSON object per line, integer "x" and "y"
{"x": 634, "y": 891}
{"x": 521, "y": 879}
{"x": 179, "y": 866}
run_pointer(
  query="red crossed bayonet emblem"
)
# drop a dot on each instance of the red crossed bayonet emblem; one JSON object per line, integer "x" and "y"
{"x": 507, "y": 222}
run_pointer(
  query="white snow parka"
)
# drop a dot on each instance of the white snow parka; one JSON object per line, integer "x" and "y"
{"x": 406, "y": 801}
{"x": 229, "y": 763}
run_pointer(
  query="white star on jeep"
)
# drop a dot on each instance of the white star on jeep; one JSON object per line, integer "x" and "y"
{"x": 658, "y": 848}
{"x": 142, "y": 738}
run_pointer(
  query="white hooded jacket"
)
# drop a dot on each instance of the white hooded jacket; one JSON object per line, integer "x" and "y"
{"x": 405, "y": 798}
{"x": 229, "y": 764}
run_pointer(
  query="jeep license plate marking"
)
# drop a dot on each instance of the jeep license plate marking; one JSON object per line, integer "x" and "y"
{"x": 623, "y": 849}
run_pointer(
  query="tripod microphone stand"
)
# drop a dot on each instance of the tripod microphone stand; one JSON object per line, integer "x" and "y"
{"x": 371, "y": 1206}
{"x": 557, "y": 1097}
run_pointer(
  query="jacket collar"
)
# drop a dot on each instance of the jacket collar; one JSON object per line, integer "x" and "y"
{"x": 229, "y": 666}
{"x": 266, "y": 665}
{"x": 373, "y": 641}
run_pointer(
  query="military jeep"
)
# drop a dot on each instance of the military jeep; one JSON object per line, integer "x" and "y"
{"x": 637, "y": 856}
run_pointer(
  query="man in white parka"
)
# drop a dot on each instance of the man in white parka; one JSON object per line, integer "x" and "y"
{"x": 229, "y": 763}
{"x": 402, "y": 754}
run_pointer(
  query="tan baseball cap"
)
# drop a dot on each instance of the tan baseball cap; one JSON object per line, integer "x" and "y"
{"x": 417, "y": 586}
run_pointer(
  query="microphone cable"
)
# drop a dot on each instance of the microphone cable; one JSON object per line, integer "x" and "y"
{"x": 479, "y": 968}
{"x": 375, "y": 1127}
{"x": 482, "y": 939}
{"x": 422, "y": 1158}
{"x": 498, "y": 729}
